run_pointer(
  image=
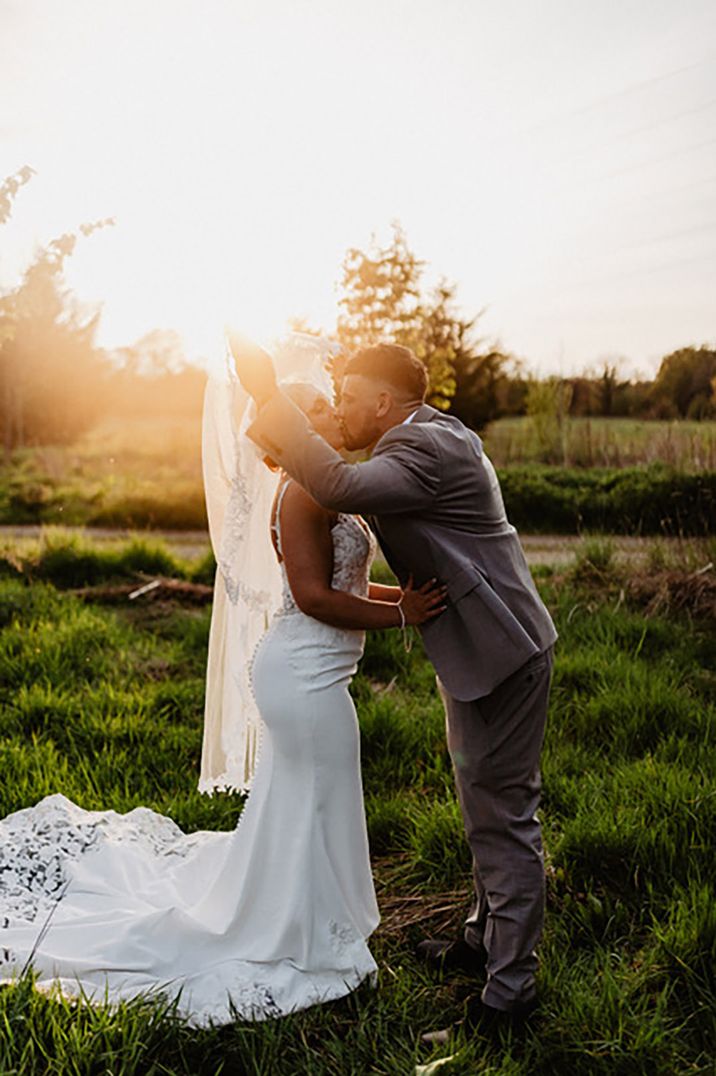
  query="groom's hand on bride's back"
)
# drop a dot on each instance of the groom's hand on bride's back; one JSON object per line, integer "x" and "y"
{"x": 254, "y": 366}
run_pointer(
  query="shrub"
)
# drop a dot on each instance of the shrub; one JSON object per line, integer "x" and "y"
{"x": 70, "y": 560}
{"x": 185, "y": 511}
{"x": 204, "y": 571}
{"x": 649, "y": 500}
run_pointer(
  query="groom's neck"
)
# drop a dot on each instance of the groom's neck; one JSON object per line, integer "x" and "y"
{"x": 395, "y": 417}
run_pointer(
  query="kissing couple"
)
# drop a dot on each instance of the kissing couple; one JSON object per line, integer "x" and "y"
{"x": 275, "y": 915}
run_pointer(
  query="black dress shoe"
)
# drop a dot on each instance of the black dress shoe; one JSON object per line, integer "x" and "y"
{"x": 484, "y": 1019}
{"x": 446, "y": 955}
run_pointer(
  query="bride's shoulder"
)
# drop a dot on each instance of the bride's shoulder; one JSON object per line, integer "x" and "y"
{"x": 297, "y": 502}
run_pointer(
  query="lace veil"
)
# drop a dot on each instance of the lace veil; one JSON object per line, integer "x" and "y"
{"x": 239, "y": 490}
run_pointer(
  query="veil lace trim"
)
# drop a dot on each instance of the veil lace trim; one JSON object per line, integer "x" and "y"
{"x": 239, "y": 490}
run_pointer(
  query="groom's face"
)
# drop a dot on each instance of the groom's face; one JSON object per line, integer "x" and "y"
{"x": 359, "y": 410}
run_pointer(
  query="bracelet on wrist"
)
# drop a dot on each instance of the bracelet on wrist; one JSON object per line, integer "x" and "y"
{"x": 406, "y": 631}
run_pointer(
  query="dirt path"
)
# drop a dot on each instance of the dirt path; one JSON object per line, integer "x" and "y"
{"x": 557, "y": 549}
{"x": 190, "y": 544}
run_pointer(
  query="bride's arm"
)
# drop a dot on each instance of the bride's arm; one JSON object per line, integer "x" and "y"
{"x": 379, "y": 593}
{"x": 307, "y": 549}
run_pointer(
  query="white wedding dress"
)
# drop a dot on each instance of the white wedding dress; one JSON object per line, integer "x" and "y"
{"x": 259, "y": 922}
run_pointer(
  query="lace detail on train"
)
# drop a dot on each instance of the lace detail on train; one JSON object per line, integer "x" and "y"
{"x": 39, "y": 844}
{"x": 254, "y": 923}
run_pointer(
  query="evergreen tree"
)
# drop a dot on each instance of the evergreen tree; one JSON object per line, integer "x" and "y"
{"x": 383, "y": 300}
{"x": 51, "y": 370}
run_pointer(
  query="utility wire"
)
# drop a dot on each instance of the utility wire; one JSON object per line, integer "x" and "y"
{"x": 708, "y": 226}
{"x": 629, "y": 273}
{"x": 680, "y": 152}
{"x": 626, "y": 91}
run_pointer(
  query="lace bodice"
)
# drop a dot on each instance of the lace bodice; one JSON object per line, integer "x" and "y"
{"x": 354, "y": 547}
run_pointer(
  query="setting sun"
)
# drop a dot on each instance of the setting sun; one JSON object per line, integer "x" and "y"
{"x": 244, "y": 147}
{"x": 357, "y": 705}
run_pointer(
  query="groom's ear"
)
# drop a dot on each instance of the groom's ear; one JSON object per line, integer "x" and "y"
{"x": 384, "y": 404}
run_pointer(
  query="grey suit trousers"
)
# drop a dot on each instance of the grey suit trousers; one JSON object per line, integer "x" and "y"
{"x": 495, "y": 745}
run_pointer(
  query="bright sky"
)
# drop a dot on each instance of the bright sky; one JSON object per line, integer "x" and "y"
{"x": 555, "y": 158}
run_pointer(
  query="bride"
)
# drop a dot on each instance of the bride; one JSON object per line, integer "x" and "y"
{"x": 275, "y": 915}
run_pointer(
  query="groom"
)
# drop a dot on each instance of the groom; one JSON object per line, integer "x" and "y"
{"x": 438, "y": 512}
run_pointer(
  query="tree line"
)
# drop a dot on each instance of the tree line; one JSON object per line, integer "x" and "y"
{"x": 56, "y": 382}
{"x": 383, "y": 298}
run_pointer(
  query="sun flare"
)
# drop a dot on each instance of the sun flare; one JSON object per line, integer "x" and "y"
{"x": 244, "y": 148}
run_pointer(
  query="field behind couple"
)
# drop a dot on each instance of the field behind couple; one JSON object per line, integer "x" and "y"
{"x": 588, "y": 474}
{"x": 102, "y": 699}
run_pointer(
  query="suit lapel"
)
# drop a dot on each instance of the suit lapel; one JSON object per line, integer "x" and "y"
{"x": 425, "y": 413}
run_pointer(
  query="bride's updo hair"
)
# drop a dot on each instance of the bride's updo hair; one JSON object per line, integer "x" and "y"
{"x": 397, "y": 366}
{"x": 303, "y": 394}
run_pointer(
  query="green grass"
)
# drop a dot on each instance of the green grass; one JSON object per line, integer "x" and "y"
{"x": 609, "y": 442}
{"x": 140, "y": 474}
{"x": 617, "y": 475}
{"x": 69, "y": 558}
{"x": 105, "y": 705}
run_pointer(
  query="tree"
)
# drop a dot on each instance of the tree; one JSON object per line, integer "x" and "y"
{"x": 608, "y": 385}
{"x": 632, "y": 399}
{"x": 10, "y": 187}
{"x": 153, "y": 376}
{"x": 50, "y": 368}
{"x": 683, "y": 385}
{"x": 381, "y": 293}
{"x": 548, "y": 403}
{"x": 383, "y": 300}
{"x": 488, "y": 386}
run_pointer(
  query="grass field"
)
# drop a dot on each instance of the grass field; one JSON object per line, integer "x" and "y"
{"x": 143, "y": 473}
{"x": 147, "y": 473}
{"x": 607, "y": 442}
{"x": 104, "y": 703}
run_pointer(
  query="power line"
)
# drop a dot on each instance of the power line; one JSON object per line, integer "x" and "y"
{"x": 708, "y": 226}
{"x": 629, "y": 273}
{"x": 626, "y": 91}
{"x": 656, "y": 161}
{"x": 665, "y": 119}
{"x": 585, "y": 154}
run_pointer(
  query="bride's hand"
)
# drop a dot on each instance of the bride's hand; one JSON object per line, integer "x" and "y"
{"x": 424, "y": 603}
{"x": 253, "y": 366}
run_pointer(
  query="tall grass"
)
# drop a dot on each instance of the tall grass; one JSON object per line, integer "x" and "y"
{"x": 106, "y": 706}
{"x": 141, "y": 474}
{"x": 613, "y": 474}
{"x": 69, "y": 558}
{"x": 606, "y": 442}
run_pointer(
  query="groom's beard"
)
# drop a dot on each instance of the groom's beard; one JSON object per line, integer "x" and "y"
{"x": 352, "y": 445}
{"x": 364, "y": 442}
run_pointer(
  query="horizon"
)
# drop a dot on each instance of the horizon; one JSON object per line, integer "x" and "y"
{"x": 557, "y": 165}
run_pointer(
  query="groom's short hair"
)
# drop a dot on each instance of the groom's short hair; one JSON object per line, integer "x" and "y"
{"x": 394, "y": 364}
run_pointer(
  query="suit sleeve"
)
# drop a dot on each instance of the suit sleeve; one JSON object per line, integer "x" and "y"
{"x": 402, "y": 476}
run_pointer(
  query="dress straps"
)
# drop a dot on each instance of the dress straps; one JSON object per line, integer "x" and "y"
{"x": 276, "y": 525}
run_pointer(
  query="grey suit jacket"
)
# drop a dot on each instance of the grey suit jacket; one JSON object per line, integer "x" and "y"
{"x": 437, "y": 511}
